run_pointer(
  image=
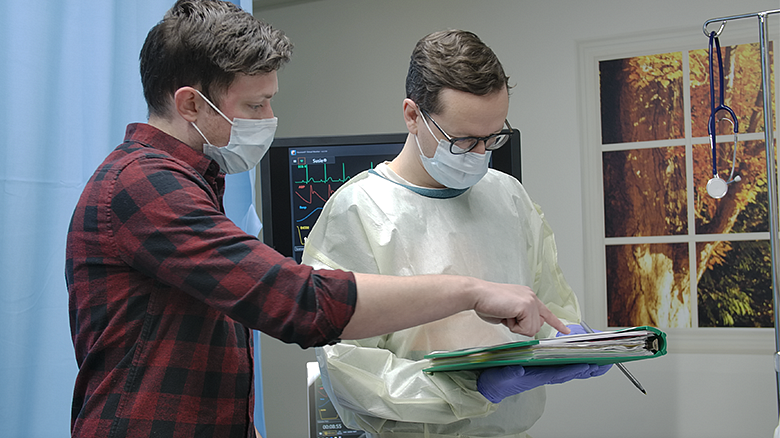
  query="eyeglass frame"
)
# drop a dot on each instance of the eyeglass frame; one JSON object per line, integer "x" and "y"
{"x": 461, "y": 151}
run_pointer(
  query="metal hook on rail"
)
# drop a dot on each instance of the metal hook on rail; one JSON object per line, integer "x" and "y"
{"x": 717, "y": 33}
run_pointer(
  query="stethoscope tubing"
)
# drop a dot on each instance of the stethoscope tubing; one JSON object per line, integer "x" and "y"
{"x": 721, "y": 106}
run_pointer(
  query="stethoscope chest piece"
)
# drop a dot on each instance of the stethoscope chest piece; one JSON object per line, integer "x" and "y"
{"x": 717, "y": 187}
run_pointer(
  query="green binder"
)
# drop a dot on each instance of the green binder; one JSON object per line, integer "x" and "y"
{"x": 626, "y": 345}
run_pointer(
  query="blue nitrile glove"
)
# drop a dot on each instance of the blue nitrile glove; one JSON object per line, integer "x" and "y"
{"x": 576, "y": 329}
{"x": 498, "y": 383}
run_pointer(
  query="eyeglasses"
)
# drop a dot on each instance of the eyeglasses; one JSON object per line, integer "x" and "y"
{"x": 461, "y": 145}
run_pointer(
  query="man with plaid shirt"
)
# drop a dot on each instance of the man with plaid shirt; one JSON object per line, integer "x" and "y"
{"x": 164, "y": 289}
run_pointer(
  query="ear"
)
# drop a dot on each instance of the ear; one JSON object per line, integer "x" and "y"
{"x": 411, "y": 116}
{"x": 187, "y": 103}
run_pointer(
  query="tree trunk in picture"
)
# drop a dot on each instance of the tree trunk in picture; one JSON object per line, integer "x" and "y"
{"x": 647, "y": 284}
{"x": 645, "y": 193}
{"x": 650, "y": 287}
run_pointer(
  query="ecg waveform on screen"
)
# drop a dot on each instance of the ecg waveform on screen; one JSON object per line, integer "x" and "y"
{"x": 325, "y": 408}
{"x": 324, "y": 178}
{"x": 308, "y": 194}
{"x": 314, "y": 185}
{"x": 315, "y": 182}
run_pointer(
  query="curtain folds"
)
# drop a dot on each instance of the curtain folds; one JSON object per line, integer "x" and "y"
{"x": 70, "y": 84}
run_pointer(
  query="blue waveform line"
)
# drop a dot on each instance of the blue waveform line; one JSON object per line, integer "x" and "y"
{"x": 307, "y": 216}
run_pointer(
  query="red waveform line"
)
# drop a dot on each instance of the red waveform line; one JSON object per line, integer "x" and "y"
{"x": 312, "y": 193}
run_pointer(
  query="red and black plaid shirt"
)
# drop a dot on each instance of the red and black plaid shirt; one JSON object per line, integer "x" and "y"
{"x": 163, "y": 288}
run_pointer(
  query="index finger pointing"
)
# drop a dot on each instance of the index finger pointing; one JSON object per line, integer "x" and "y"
{"x": 553, "y": 320}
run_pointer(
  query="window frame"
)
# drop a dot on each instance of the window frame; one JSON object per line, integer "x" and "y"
{"x": 594, "y": 302}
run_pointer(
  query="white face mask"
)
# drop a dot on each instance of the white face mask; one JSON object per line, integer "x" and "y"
{"x": 248, "y": 143}
{"x": 456, "y": 171}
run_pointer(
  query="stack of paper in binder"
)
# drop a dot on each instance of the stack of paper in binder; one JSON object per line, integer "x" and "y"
{"x": 601, "y": 348}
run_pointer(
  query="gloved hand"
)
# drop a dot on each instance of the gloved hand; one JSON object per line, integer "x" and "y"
{"x": 576, "y": 329}
{"x": 498, "y": 383}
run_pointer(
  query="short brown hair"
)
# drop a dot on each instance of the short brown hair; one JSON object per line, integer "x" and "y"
{"x": 206, "y": 42}
{"x": 455, "y": 59}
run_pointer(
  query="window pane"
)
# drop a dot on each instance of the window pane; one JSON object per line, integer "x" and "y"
{"x": 645, "y": 193}
{"x": 641, "y": 98}
{"x": 735, "y": 288}
{"x": 648, "y": 284}
{"x": 744, "y": 208}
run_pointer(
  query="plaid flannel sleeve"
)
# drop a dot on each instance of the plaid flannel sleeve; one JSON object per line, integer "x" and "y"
{"x": 168, "y": 224}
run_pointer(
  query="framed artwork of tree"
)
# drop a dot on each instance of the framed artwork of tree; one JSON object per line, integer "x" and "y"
{"x": 665, "y": 253}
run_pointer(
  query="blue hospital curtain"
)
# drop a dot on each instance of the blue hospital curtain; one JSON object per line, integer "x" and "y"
{"x": 70, "y": 84}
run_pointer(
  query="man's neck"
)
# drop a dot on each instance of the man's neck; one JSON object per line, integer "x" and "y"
{"x": 407, "y": 165}
{"x": 179, "y": 129}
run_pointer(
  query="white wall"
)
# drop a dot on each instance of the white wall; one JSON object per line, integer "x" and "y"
{"x": 347, "y": 77}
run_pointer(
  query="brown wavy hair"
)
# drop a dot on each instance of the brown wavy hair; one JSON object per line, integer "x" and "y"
{"x": 205, "y": 43}
{"x": 455, "y": 59}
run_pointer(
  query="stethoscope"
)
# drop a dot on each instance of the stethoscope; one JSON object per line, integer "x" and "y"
{"x": 717, "y": 186}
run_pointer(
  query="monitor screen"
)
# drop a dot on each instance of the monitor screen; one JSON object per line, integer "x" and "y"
{"x": 299, "y": 174}
{"x": 324, "y": 421}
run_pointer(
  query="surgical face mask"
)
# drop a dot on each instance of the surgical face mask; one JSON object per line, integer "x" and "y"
{"x": 248, "y": 143}
{"x": 459, "y": 171}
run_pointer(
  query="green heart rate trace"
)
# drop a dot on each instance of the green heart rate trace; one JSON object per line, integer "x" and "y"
{"x": 317, "y": 172}
{"x": 325, "y": 178}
